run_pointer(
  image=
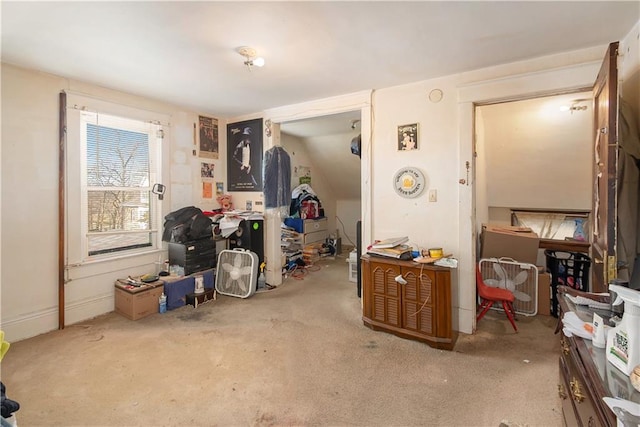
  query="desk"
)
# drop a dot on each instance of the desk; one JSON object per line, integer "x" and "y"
{"x": 585, "y": 374}
{"x": 176, "y": 288}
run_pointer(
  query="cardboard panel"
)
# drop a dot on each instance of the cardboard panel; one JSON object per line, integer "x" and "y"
{"x": 519, "y": 243}
{"x": 544, "y": 293}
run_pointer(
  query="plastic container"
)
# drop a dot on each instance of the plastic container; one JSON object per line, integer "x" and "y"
{"x": 353, "y": 266}
{"x": 569, "y": 269}
{"x": 162, "y": 303}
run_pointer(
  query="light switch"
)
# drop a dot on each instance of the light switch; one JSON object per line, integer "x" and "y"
{"x": 433, "y": 195}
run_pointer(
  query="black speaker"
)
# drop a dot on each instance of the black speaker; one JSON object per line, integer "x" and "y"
{"x": 249, "y": 235}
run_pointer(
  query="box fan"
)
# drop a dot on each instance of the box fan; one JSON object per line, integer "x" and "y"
{"x": 518, "y": 277}
{"x": 237, "y": 273}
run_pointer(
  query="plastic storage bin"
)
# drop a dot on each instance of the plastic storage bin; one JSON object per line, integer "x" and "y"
{"x": 353, "y": 266}
{"x": 567, "y": 268}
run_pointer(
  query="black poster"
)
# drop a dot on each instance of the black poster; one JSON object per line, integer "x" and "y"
{"x": 244, "y": 156}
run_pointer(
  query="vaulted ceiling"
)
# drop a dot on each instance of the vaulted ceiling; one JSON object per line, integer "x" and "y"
{"x": 185, "y": 52}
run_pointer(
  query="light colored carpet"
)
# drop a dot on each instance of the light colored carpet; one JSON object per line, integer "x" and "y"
{"x": 297, "y": 355}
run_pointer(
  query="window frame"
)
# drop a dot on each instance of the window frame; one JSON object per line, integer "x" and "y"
{"x": 83, "y": 110}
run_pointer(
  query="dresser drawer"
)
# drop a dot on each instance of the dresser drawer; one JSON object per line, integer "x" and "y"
{"x": 313, "y": 225}
{"x": 568, "y": 410}
{"x": 577, "y": 391}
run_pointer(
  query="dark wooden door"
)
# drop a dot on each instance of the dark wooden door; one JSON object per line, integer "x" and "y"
{"x": 605, "y": 169}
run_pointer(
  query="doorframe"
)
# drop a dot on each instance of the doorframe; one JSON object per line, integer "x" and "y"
{"x": 573, "y": 78}
{"x": 324, "y": 107}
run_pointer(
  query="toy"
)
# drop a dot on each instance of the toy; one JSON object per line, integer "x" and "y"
{"x": 225, "y": 202}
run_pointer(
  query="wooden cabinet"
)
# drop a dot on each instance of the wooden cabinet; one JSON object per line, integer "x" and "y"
{"x": 585, "y": 376}
{"x": 419, "y": 309}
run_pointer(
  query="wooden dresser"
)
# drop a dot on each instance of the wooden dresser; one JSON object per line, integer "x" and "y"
{"x": 418, "y": 310}
{"x": 585, "y": 375}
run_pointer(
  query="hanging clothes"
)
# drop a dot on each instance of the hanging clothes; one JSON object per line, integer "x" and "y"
{"x": 628, "y": 233}
{"x": 277, "y": 178}
{"x": 304, "y": 203}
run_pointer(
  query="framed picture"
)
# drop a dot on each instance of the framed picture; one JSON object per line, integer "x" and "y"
{"x": 408, "y": 137}
{"x": 207, "y": 169}
{"x": 244, "y": 157}
{"x": 208, "y": 137}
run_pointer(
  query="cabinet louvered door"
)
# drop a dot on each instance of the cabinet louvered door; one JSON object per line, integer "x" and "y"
{"x": 418, "y": 301}
{"x": 386, "y": 294}
{"x": 419, "y": 309}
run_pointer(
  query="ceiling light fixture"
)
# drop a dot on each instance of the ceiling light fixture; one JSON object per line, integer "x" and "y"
{"x": 575, "y": 106}
{"x": 250, "y": 57}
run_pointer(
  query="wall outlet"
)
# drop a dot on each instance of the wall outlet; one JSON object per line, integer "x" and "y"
{"x": 433, "y": 195}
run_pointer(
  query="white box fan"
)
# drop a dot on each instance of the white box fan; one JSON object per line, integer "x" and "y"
{"x": 237, "y": 273}
{"x": 518, "y": 277}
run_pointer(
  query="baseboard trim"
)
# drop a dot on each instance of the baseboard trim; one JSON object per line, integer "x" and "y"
{"x": 46, "y": 320}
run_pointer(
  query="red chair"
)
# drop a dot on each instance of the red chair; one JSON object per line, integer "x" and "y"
{"x": 490, "y": 295}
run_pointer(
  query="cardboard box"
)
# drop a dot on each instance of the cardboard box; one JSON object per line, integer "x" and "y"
{"x": 544, "y": 292}
{"x": 519, "y": 243}
{"x": 137, "y": 302}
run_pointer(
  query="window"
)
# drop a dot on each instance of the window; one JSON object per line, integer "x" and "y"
{"x": 113, "y": 161}
{"x": 118, "y": 203}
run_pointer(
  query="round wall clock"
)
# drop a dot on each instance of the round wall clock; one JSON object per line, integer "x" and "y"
{"x": 409, "y": 182}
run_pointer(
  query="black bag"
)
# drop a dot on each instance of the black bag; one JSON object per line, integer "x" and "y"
{"x": 186, "y": 224}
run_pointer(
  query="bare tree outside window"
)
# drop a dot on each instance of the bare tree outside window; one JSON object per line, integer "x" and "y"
{"x": 118, "y": 195}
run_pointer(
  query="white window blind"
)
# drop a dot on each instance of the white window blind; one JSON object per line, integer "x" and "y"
{"x": 112, "y": 164}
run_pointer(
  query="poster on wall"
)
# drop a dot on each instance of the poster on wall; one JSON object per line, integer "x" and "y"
{"x": 207, "y": 190}
{"x": 208, "y": 137}
{"x": 244, "y": 158}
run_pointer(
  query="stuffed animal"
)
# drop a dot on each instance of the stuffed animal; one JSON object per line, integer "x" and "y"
{"x": 225, "y": 202}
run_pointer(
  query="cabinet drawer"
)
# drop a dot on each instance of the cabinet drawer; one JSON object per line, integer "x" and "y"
{"x": 313, "y": 225}
{"x": 316, "y": 236}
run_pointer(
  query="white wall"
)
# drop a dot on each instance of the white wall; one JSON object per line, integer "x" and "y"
{"x": 347, "y": 215}
{"x": 29, "y": 174}
{"x": 446, "y": 143}
{"x": 537, "y": 156}
{"x": 335, "y": 176}
{"x": 300, "y": 157}
{"x": 30, "y": 203}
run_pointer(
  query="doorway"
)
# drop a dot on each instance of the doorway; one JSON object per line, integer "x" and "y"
{"x": 322, "y": 157}
{"x": 472, "y": 205}
{"x": 533, "y": 154}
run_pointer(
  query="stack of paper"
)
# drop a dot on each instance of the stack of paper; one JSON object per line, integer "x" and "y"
{"x": 397, "y": 252}
{"x": 232, "y": 219}
{"x": 389, "y": 243}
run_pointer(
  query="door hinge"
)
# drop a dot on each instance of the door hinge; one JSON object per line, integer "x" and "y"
{"x": 612, "y": 268}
